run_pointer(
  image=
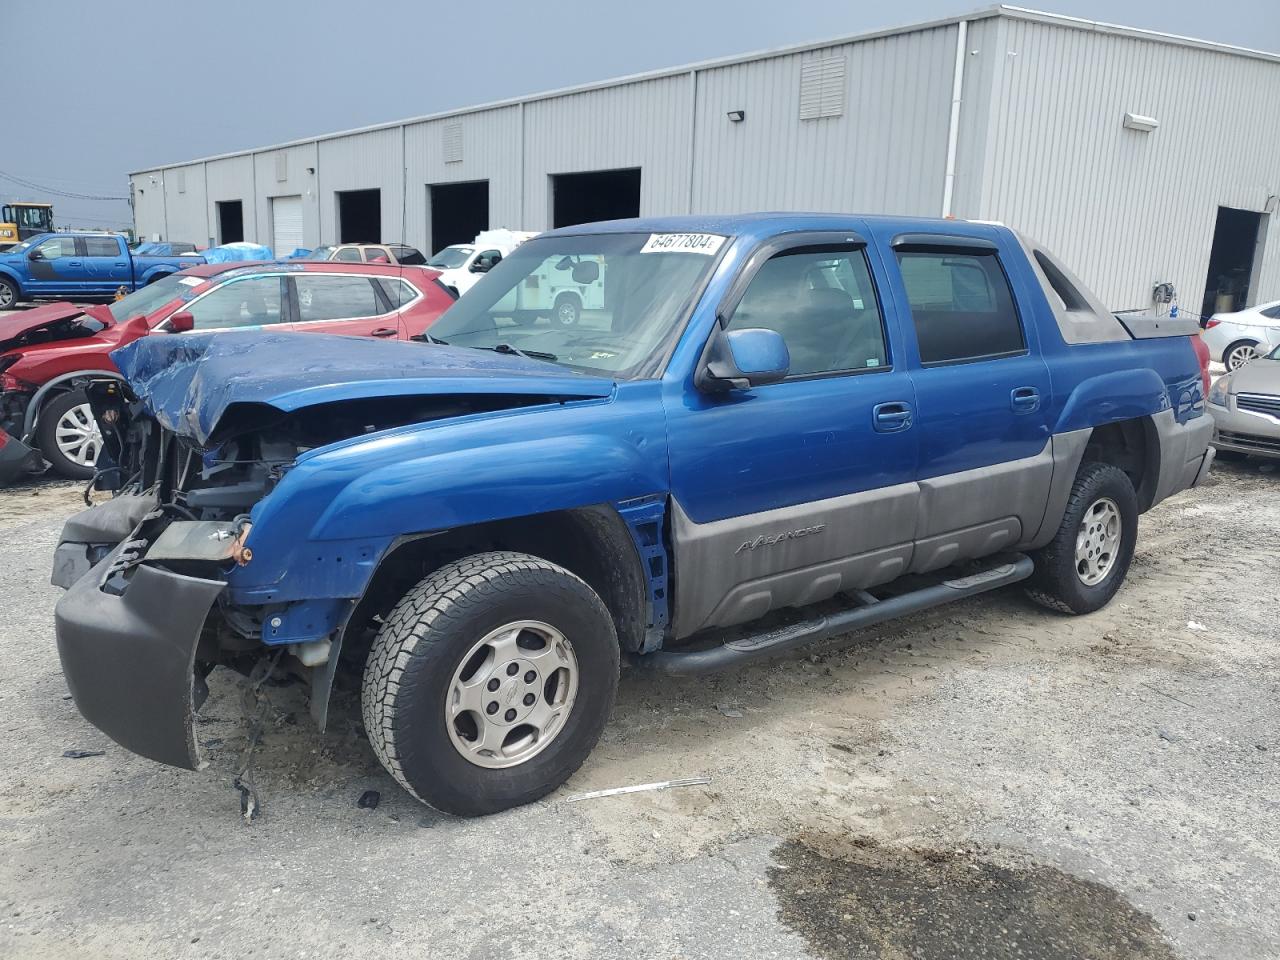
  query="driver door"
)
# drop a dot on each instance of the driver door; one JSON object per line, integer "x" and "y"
{"x": 55, "y": 266}
{"x": 789, "y": 493}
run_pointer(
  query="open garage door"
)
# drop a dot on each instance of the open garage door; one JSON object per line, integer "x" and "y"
{"x": 360, "y": 216}
{"x": 458, "y": 212}
{"x": 599, "y": 195}
{"x": 286, "y": 225}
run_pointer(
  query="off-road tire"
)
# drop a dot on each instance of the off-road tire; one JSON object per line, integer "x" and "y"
{"x": 46, "y": 426}
{"x": 1055, "y": 583}
{"x": 421, "y": 644}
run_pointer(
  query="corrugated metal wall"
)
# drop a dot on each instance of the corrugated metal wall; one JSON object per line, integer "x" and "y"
{"x": 231, "y": 178}
{"x": 887, "y": 153}
{"x": 644, "y": 124}
{"x": 297, "y": 182}
{"x": 1040, "y": 146}
{"x": 489, "y": 149}
{"x": 362, "y": 161}
{"x": 1127, "y": 209}
{"x": 184, "y": 203}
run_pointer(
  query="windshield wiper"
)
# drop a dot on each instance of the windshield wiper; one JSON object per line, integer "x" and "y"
{"x": 527, "y": 354}
{"x": 425, "y": 337}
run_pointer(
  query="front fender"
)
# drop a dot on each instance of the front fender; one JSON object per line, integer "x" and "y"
{"x": 10, "y": 274}
{"x": 341, "y": 507}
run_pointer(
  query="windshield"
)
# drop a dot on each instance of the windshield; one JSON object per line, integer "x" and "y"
{"x": 601, "y": 303}
{"x": 451, "y": 257}
{"x": 153, "y": 296}
{"x": 24, "y": 246}
{"x": 319, "y": 253}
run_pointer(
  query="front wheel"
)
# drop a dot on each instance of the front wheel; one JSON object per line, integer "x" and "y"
{"x": 8, "y": 294}
{"x": 490, "y": 682}
{"x": 568, "y": 309}
{"x": 68, "y": 435}
{"x": 1081, "y": 569}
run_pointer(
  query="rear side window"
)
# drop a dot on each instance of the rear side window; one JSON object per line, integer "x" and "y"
{"x": 349, "y": 254}
{"x": 1271, "y": 313}
{"x": 335, "y": 298}
{"x": 821, "y": 301}
{"x": 409, "y": 256}
{"x": 961, "y": 305}
{"x": 101, "y": 247}
{"x": 397, "y": 292}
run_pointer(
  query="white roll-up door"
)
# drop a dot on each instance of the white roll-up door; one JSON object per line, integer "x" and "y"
{"x": 286, "y": 225}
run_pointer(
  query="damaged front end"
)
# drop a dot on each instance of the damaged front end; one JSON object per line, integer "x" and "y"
{"x": 222, "y": 465}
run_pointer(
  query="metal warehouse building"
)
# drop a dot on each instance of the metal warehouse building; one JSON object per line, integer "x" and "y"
{"x": 1140, "y": 158}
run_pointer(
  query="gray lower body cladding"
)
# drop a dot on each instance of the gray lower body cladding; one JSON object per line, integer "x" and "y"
{"x": 129, "y": 659}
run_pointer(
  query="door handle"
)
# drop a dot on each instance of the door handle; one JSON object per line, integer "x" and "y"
{"x": 74, "y": 263}
{"x": 1024, "y": 399}
{"x": 384, "y": 332}
{"x": 892, "y": 417}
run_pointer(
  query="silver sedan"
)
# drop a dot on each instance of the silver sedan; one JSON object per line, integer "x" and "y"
{"x": 1236, "y": 338}
{"x": 1245, "y": 405}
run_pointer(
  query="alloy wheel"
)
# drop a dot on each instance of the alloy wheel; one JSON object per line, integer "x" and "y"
{"x": 1098, "y": 541}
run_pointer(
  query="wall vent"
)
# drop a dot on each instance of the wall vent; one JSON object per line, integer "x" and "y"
{"x": 282, "y": 167}
{"x": 182, "y": 181}
{"x": 453, "y": 142}
{"x": 822, "y": 88}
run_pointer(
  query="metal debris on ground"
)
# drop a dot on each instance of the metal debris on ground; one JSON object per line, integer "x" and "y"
{"x": 369, "y": 800}
{"x": 1171, "y": 738}
{"x": 1193, "y": 625}
{"x": 728, "y": 711}
{"x": 254, "y": 703}
{"x": 81, "y": 754}
{"x": 639, "y": 788}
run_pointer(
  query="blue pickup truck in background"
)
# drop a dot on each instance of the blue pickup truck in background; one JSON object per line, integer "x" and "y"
{"x": 775, "y": 429}
{"x": 57, "y": 266}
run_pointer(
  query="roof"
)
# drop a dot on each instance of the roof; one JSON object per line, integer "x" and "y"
{"x": 768, "y": 224}
{"x": 999, "y": 10}
{"x": 299, "y": 266}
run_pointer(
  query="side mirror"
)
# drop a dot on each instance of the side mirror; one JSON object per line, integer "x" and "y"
{"x": 181, "y": 322}
{"x": 742, "y": 359}
{"x": 35, "y": 254}
{"x": 586, "y": 271}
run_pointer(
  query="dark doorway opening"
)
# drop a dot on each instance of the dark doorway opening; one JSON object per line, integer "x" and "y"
{"x": 230, "y": 221}
{"x": 1232, "y": 261}
{"x": 458, "y": 212}
{"x": 599, "y": 195}
{"x": 360, "y": 216}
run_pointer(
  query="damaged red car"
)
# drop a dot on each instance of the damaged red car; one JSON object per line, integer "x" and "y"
{"x": 47, "y": 353}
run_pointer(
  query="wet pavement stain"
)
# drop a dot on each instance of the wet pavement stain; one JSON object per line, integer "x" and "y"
{"x": 859, "y": 899}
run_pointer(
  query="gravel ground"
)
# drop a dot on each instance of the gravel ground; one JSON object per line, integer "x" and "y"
{"x": 985, "y": 780}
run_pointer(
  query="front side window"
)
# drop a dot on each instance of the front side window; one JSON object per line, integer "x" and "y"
{"x": 101, "y": 247}
{"x": 820, "y": 299}
{"x": 335, "y": 298}
{"x": 348, "y": 254}
{"x": 961, "y": 306}
{"x": 152, "y": 297}
{"x": 252, "y": 302}
{"x": 57, "y": 247}
{"x": 603, "y": 303}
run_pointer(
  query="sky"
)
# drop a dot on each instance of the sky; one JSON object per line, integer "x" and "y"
{"x": 96, "y": 88}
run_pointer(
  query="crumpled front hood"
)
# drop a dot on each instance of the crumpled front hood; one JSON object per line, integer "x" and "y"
{"x": 190, "y": 382}
{"x": 14, "y": 325}
{"x": 1257, "y": 376}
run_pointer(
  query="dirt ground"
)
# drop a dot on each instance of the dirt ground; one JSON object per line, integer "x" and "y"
{"x": 984, "y": 780}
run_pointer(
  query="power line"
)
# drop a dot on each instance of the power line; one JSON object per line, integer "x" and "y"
{"x": 43, "y": 188}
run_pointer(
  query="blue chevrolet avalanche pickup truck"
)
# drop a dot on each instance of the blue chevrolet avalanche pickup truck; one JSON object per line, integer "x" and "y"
{"x": 55, "y": 266}
{"x": 773, "y": 430}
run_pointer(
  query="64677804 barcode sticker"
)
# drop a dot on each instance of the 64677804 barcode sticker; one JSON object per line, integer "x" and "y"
{"x": 705, "y": 243}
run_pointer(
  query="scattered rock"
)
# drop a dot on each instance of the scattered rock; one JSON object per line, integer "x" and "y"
{"x": 369, "y": 800}
{"x": 81, "y": 754}
{"x": 729, "y": 711}
{"x": 1166, "y": 735}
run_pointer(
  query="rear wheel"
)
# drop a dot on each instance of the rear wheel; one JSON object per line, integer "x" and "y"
{"x": 1238, "y": 354}
{"x": 568, "y": 309}
{"x": 8, "y": 294}
{"x": 1081, "y": 569}
{"x": 68, "y": 435}
{"x": 490, "y": 682}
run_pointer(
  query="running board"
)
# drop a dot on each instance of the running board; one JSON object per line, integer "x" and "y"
{"x": 742, "y": 650}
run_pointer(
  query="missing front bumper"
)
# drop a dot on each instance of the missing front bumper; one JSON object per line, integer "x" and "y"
{"x": 129, "y": 659}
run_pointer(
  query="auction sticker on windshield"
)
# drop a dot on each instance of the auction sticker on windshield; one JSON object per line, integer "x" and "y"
{"x": 707, "y": 243}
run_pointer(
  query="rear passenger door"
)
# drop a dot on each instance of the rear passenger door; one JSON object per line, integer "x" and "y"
{"x": 106, "y": 263}
{"x": 352, "y": 305}
{"x": 982, "y": 395}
